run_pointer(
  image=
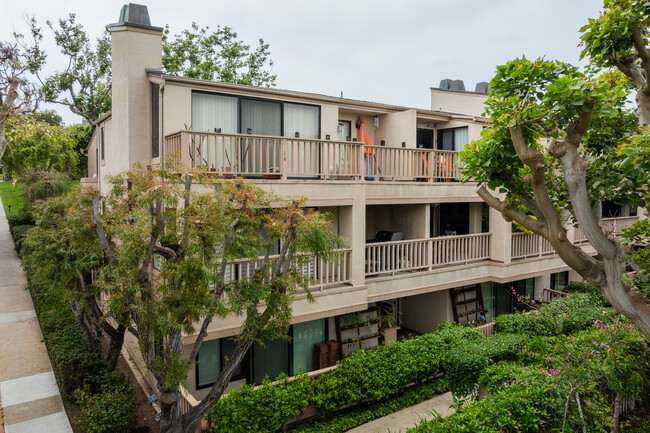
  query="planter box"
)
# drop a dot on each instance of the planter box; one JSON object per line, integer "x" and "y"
{"x": 370, "y": 343}
{"x": 390, "y": 334}
{"x": 367, "y": 331}
{"x": 349, "y": 348}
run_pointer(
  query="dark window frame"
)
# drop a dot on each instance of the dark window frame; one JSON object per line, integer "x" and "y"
{"x": 154, "y": 121}
{"x": 438, "y": 142}
{"x": 277, "y": 101}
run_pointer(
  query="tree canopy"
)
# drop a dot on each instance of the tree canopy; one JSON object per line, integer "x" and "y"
{"x": 562, "y": 139}
{"x": 217, "y": 56}
{"x": 20, "y": 60}
{"x": 34, "y": 145}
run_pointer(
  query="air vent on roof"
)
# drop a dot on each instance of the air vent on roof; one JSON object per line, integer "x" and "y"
{"x": 134, "y": 14}
{"x": 444, "y": 84}
{"x": 482, "y": 87}
{"x": 457, "y": 85}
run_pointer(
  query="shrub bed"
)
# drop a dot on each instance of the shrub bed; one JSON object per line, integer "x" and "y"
{"x": 350, "y": 418}
{"x": 105, "y": 398}
{"x": 364, "y": 380}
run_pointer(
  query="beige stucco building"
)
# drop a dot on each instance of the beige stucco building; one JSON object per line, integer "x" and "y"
{"x": 419, "y": 240}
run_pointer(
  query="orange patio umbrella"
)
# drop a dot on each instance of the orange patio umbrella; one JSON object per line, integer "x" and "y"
{"x": 364, "y": 137}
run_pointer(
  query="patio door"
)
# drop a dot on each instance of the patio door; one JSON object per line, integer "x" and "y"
{"x": 260, "y": 155}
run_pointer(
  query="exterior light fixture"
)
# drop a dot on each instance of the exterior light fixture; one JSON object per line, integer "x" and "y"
{"x": 377, "y": 121}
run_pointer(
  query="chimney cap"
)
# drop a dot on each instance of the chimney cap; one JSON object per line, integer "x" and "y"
{"x": 135, "y": 15}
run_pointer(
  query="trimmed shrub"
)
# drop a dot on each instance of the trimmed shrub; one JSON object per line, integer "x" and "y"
{"x": 588, "y": 288}
{"x": 264, "y": 409}
{"x": 110, "y": 410}
{"x": 350, "y": 418}
{"x": 18, "y": 233}
{"x": 20, "y": 219}
{"x": 464, "y": 363}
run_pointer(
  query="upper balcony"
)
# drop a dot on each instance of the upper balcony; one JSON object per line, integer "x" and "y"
{"x": 274, "y": 157}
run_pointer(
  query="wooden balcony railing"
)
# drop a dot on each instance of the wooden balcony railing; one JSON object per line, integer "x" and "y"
{"x": 526, "y": 245}
{"x": 285, "y": 157}
{"x": 323, "y": 274}
{"x": 614, "y": 225}
{"x": 389, "y": 258}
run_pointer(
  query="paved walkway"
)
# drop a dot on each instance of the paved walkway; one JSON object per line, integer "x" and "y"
{"x": 29, "y": 397}
{"x": 409, "y": 417}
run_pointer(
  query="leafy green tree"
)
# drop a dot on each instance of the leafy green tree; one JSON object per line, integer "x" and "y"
{"x": 618, "y": 38}
{"x": 533, "y": 154}
{"x": 84, "y": 86}
{"x": 151, "y": 213}
{"x": 19, "y": 60}
{"x": 34, "y": 145}
{"x": 218, "y": 56}
{"x": 81, "y": 135}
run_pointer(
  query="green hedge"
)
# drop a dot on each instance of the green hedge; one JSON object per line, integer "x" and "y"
{"x": 263, "y": 410}
{"x": 463, "y": 364}
{"x": 367, "y": 377}
{"x": 18, "y": 232}
{"x": 105, "y": 398}
{"x": 20, "y": 219}
{"x": 565, "y": 315}
{"x": 588, "y": 288}
{"x": 371, "y": 376}
{"x": 107, "y": 411}
{"x": 350, "y": 418}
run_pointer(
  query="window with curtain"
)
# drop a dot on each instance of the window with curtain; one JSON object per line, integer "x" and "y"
{"x": 303, "y": 119}
{"x": 460, "y": 138}
{"x": 261, "y": 117}
{"x": 305, "y": 335}
{"x": 453, "y": 138}
{"x": 208, "y": 364}
{"x": 210, "y": 111}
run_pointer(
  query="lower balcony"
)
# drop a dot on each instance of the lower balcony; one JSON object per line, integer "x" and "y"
{"x": 391, "y": 258}
{"x": 271, "y": 157}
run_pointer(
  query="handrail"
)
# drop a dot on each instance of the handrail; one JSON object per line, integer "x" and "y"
{"x": 423, "y": 254}
{"x": 236, "y": 154}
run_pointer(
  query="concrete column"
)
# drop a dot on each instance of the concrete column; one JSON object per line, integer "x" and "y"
{"x": 356, "y": 221}
{"x": 475, "y": 217}
{"x": 541, "y": 282}
{"x": 501, "y": 241}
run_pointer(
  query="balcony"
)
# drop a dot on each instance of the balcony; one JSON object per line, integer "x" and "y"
{"x": 391, "y": 258}
{"x": 322, "y": 274}
{"x": 284, "y": 158}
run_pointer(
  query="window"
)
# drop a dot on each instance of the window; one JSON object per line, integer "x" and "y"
{"x": 301, "y": 119}
{"x": 212, "y": 112}
{"x": 208, "y": 365}
{"x": 345, "y": 130}
{"x": 453, "y": 138}
{"x": 559, "y": 281}
{"x": 305, "y": 335}
{"x": 154, "y": 89}
{"x": 261, "y": 117}
{"x": 424, "y": 138}
{"x": 101, "y": 142}
{"x": 272, "y": 359}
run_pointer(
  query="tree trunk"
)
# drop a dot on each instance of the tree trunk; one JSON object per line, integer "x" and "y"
{"x": 87, "y": 327}
{"x": 643, "y": 104}
{"x": 170, "y": 413}
{"x": 115, "y": 347}
{"x": 193, "y": 417}
{"x": 616, "y": 413}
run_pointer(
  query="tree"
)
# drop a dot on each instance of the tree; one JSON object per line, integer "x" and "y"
{"x": 19, "y": 59}
{"x": 534, "y": 155}
{"x": 151, "y": 214}
{"x": 85, "y": 84}
{"x": 217, "y": 56}
{"x": 34, "y": 145}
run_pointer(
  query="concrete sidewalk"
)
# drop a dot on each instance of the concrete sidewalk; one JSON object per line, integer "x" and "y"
{"x": 410, "y": 417}
{"x": 29, "y": 396}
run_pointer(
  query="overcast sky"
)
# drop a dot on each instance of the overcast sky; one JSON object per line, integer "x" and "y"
{"x": 388, "y": 51}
